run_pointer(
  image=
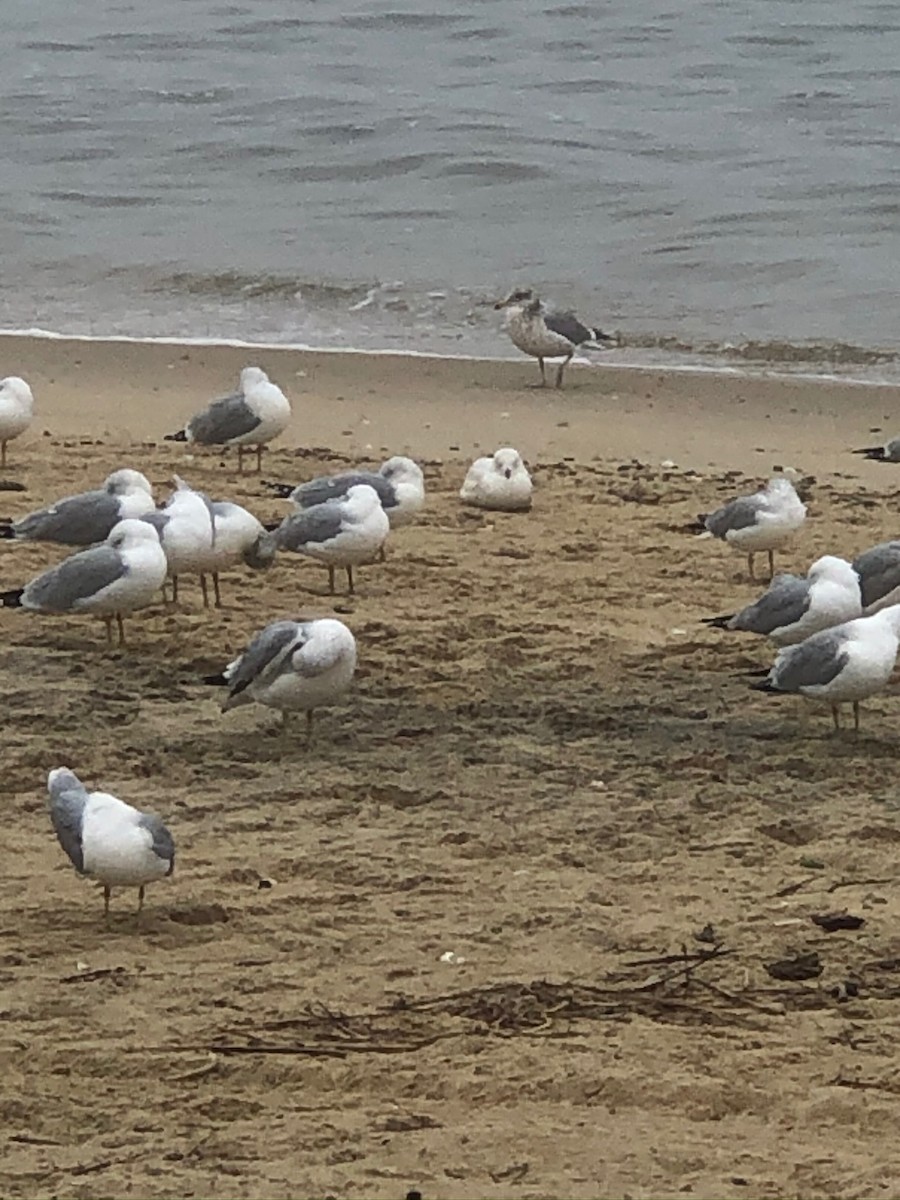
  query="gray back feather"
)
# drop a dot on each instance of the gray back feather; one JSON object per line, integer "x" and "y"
{"x": 74, "y": 580}
{"x": 738, "y": 514}
{"x": 163, "y": 846}
{"x": 159, "y": 519}
{"x": 225, "y": 419}
{"x": 265, "y": 653}
{"x": 785, "y": 602}
{"x": 878, "y": 570}
{"x": 76, "y": 521}
{"x": 311, "y": 525}
{"x": 335, "y": 487}
{"x": 817, "y": 661}
{"x": 568, "y": 326}
{"x": 68, "y": 798}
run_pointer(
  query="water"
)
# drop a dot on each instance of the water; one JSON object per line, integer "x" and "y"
{"x": 372, "y": 173}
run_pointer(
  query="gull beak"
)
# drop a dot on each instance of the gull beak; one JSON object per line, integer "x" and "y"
{"x": 502, "y": 303}
{"x": 508, "y": 472}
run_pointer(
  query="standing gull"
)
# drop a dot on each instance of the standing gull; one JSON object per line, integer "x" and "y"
{"x": 252, "y": 416}
{"x": 292, "y": 666}
{"x": 399, "y": 483}
{"x": 764, "y": 521}
{"x": 187, "y": 534}
{"x": 544, "y": 332}
{"x": 119, "y": 576}
{"x": 106, "y": 838}
{"x": 87, "y": 518}
{"x": 888, "y": 453}
{"x": 500, "y": 482}
{"x": 879, "y": 575}
{"x": 842, "y": 665}
{"x": 793, "y": 608}
{"x": 16, "y": 411}
{"x": 339, "y": 533}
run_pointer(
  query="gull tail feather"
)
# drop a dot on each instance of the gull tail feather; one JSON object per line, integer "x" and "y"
{"x": 216, "y": 680}
{"x": 280, "y": 489}
{"x": 717, "y": 622}
{"x": 766, "y": 685}
{"x": 12, "y": 598}
{"x": 180, "y": 436}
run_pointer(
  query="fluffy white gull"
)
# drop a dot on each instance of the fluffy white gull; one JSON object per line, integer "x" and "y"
{"x": 186, "y": 529}
{"x": 252, "y": 416}
{"x": 543, "y": 332}
{"x": 340, "y": 533}
{"x": 107, "y": 839}
{"x": 764, "y": 521}
{"x": 16, "y": 411}
{"x": 499, "y": 482}
{"x": 793, "y": 608}
{"x": 879, "y": 575}
{"x": 888, "y": 453}
{"x": 842, "y": 665}
{"x": 292, "y": 666}
{"x": 399, "y": 483}
{"x": 87, "y": 518}
{"x": 121, "y": 575}
{"x": 239, "y": 537}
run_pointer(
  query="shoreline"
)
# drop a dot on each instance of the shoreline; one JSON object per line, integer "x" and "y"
{"x": 378, "y": 403}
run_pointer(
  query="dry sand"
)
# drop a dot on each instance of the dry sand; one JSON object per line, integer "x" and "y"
{"x": 548, "y": 768}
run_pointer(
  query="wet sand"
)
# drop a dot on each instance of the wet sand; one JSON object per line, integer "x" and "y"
{"x": 548, "y": 769}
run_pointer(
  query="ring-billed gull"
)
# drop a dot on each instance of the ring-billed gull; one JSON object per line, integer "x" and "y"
{"x": 842, "y": 665}
{"x": 185, "y": 525}
{"x": 888, "y": 453}
{"x": 117, "y": 577}
{"x": 499, "y": 482}
{"x": 543, "y": 332}
{"x": 878, "y": 569}
{"x": 87, "y": 518}
{"x": 764, "y": 521}
{"x": 292, "y": 666}
{"x": 107, "y": 839}
{"x": 399, "y": 483}
{"x": 239, "y": 537}
{"x": 340, "y": 533}
{"x": 253, "y": 416}
{"x": 793, "y": 608}
{"x": 16, "y": 411}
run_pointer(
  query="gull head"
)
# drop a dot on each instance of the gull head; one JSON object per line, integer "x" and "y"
{"x": 834, "y": 569}
{"x": 362, "y": 499}
{"x": 518, "y": 296}
{"x": 400, "y": 469}
{"x": 14, "y": 388}
{"x": 133, "y": 531}
{"x": 122, "y": 482}
{"x": 261, "y": 554}
{"x": 62, "y": 779}
{"x": 507, "y": 461}
{"x": 251, "y": 377}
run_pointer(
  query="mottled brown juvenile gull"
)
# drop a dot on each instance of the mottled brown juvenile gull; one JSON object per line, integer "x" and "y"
{"x": 543, "y": 332}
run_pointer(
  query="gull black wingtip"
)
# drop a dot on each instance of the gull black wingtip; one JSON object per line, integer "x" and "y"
{"x": 180, "y": 436}
{"x": 717, "y": 622}
{"x": 874, "y": 453}
{"x": 765, "y": 685}
{"x": 6, "y": 530}
{"x": 216, "y": 680}
{"x": 12, "y": 598}
{"x": 280, "y": 489}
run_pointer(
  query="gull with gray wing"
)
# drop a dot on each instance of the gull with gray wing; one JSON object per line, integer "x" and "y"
{"x": 879, "y": 575}
{"x": 340, "y": 533}
{"x": 107, "y": 839}
{"x": 399, "y": 483}
{"x": 765, "y": 520}
{"x": 88, "y": 517}
{"x": 543, "y": 332}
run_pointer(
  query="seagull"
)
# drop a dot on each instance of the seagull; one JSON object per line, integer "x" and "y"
{"x": 122, "y": 574}
{"x": 186, "y": 529}
{"x": 793, "y": 608}
{"x": 86, "y": 519}
{"x": 841, "y": 665}
{"x": 544, "y": 332}
{"x": 16, "y": 411}
{"x": 399, "y": 483}
{"x": 106, "y": 838}
{"x": 879, "y": 575}
{"x": 499, "y": 482}
{"x": 889, "y": 452}
{"x": 252, "y": 416}
{"x": 339, "y": 533}
{"x": 763, "y": 521}
{"x": 294, "y": 666}
{"x": 238, "y": 538}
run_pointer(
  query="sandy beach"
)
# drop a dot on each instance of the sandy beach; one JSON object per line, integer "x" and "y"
{"x": 505, "y": 928}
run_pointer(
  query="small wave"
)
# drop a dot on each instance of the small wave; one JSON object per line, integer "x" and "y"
{"x": 235, "y": 284}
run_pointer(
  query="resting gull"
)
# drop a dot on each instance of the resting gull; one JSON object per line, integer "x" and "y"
{"x": 16, "y": 411}
{"x": 252, "y": 416}
{"x": 119, "y": 576}
{"x": 186, "y": 533}
{"x": 399, "y": 483}
{"x": 544, "y": 332}
{"x": 841, "y": 665}
{"x": 793, "y": 608}
{"x": 293, "y": 666}
{"x": 107, "y": 839}
{"x": 499, "y": 482}
{"x": 879, "y": 575}
{"x": 888, "y": 453}
{"x": 339, "y": 533}
{"x": 764, "y": 521}
{"x": 86, "y": 519}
